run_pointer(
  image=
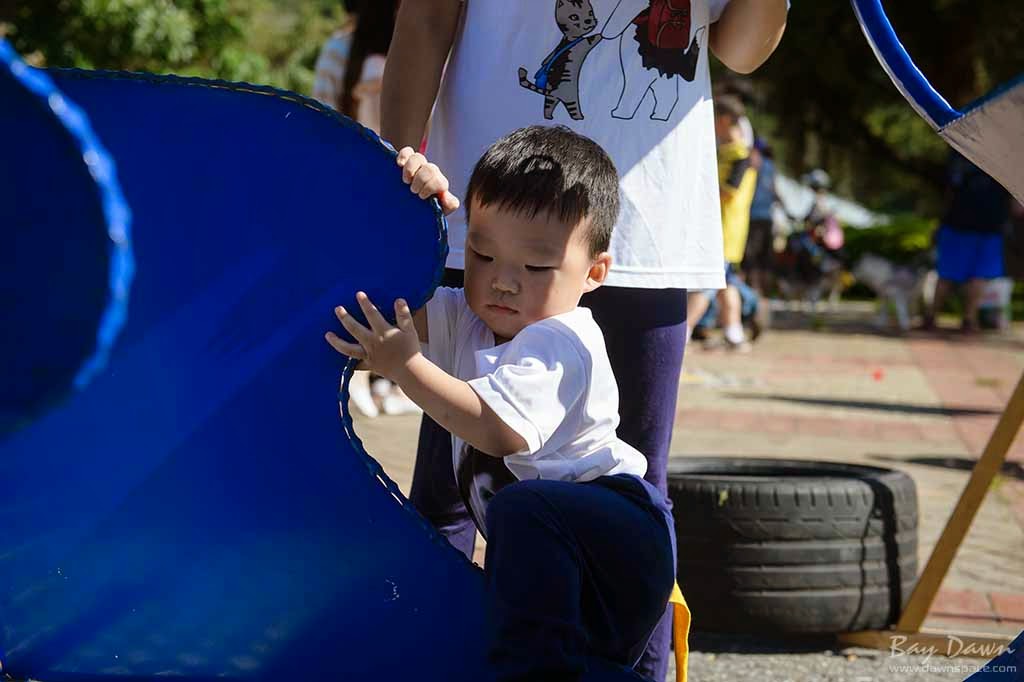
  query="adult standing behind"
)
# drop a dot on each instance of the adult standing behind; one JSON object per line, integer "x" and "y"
{"x": 969, "y": 239}
{"x": 759, "y": 255}
{"x": 633, "y": 76}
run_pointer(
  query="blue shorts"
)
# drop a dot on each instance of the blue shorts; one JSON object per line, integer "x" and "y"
{"x": 967, "y": 255}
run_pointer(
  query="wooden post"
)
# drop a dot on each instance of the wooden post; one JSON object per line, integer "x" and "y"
{"x": 989, "y": 464}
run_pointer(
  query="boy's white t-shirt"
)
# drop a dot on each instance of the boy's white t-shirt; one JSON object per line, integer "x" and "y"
{"x": 658, "y": 130}
{"x": 552, "y": 384}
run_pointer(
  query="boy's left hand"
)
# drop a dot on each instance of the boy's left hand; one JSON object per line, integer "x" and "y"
{"x": 384, "y": 348}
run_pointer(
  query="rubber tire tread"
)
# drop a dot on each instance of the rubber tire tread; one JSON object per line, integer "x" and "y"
{"x": 775, "y": 545}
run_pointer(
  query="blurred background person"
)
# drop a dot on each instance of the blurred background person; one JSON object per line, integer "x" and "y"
{"x": 737, "y": 181}
{"x": 969, "y": 240}
{"x": 329, "y": 72}
{"x": 759, "y": 255}
{"x": 350, "y": 68}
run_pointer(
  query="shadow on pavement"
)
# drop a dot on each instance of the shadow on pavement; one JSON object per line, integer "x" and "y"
{"x": 728, "y": 643}
{"x": 1009, "y": 469}
{"x": 936, "y": 410}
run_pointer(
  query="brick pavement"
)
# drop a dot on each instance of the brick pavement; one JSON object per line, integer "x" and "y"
{"x": 922, "y": 404}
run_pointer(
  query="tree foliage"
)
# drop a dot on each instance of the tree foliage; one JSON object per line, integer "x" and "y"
{"x": 826, "y": 101}
{"x": 822, "y": 98}
{"x": 261, "y": 41}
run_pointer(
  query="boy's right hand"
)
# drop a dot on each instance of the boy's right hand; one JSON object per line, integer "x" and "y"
{"x": 425, "y": 179}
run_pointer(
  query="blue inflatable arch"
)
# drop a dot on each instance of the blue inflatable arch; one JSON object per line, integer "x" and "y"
{"x": 200, "y": 510}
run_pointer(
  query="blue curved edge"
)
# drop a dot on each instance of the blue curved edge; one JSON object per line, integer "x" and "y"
{"x": 893, "y": 57}
{"x": 200, "y": 508}
{"x": 115, "y": 208}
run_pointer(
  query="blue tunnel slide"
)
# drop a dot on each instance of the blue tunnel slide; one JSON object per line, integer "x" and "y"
{"x": 179, "y": 495}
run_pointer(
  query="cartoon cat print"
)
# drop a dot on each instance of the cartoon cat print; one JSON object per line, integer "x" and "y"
{"x": 558, "y": 78}
{"x": 656, "y": 55}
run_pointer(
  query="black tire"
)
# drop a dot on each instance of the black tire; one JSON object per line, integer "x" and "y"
{"x": 795, "y": 612}
{"x": 793, "y": 546}
{"x": 799, "y": 577}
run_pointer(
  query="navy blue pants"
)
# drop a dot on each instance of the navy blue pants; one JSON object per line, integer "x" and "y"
{"x": 576, "y": 573}
{"x": 645, "y": 332}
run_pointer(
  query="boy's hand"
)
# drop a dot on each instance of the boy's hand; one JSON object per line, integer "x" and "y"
{"x": 425, "y": 179}
{"x": 384, "y": 348}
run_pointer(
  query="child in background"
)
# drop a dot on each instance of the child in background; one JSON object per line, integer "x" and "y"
{"x": 580, "y": 549}
{"x": 737, "y": 180}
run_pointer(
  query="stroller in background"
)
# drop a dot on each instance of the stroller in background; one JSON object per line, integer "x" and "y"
{"x": 810, "y": 267}
{"x": 807, "y": 270}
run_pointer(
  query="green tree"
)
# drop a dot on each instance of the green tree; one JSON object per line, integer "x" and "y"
{"x": 259, "y": 41}
{"x": 825, "y": 100}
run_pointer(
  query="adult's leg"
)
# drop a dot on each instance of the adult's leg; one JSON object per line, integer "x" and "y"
{"x": 972, "y": 302}
{"x": 956, "y": 252}
{"x": 645, "y": 332}
{"x": 732, "y": 309}
{"x": 987, "y": 265}
{"x": 697, "y": 304}
{"x": 943, "y": 288}
{"x": 562, "y": 578}
{"x": 756, "y": 257}
{"x": 434, "y": 492}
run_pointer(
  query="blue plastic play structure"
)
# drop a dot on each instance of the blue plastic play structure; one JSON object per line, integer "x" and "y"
{"x": 81, "y": 277}
{"x": 180, "y": 495}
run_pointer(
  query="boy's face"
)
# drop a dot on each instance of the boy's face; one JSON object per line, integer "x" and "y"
{"x": 520, "y": 270}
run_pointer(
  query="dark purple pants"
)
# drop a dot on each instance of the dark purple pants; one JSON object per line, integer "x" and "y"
{"x": 564, "y": 593}
{"x": 645, "y": 332}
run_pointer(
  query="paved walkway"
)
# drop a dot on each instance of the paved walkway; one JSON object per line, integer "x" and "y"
{"x": 833, "y": 389}
{"x": 925, "y": 404}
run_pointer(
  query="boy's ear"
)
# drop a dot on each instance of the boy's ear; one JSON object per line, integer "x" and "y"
{"x": 599, "y": 268}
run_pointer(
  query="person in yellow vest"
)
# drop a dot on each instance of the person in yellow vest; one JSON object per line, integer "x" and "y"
{"x": 737, "y": 180}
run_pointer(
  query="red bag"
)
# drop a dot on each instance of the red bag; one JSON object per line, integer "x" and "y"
{"x": 668, "y": 24}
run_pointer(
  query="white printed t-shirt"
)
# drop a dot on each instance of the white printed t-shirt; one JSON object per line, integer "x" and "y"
{"x": 552, "y": 384}
{"x": 636, "y": 78}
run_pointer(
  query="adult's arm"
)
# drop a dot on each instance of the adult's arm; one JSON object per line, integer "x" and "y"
{"x": 748, "y": 32}
{"x": 424, "y": 33}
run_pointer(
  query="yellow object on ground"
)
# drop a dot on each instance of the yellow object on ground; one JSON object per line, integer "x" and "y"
{"x": 680, "y": 631}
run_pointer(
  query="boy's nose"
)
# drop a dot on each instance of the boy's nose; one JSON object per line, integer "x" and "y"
{"x": 504, "y": 286}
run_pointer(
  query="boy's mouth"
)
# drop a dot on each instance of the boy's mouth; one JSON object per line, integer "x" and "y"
{"x": 501, "y": 309}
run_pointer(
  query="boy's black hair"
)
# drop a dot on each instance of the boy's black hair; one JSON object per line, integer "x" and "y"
{"x": 550, "y": 169}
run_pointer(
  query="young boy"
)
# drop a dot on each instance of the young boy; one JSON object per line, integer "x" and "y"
{"x": 737, "y": 180}
{"x": 580, "y": 549}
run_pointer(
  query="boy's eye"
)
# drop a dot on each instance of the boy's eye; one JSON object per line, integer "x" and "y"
{"x": 539, "y": 268}
{"x": 486, "y": 259}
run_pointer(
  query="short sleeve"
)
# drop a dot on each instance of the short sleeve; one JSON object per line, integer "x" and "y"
{"x": 536, "y": 386}
{"x": 715, "y": 9}
{"x": 443, "y": 312}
